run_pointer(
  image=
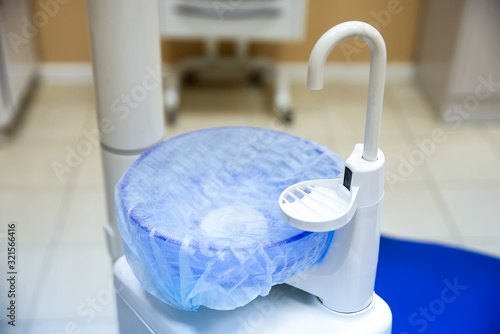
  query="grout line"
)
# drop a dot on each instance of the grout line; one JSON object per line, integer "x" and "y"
{"x": 492, "y": 141}
{"x": 54, "y": 240}
{"x": 52, "y": 245}
{"x": 428, "y": 178}
{"x": 473, "y": 184}
{"x": 443, "y": 207}
{"x": 401, "y": 119}
{"x": 98, "y": 319}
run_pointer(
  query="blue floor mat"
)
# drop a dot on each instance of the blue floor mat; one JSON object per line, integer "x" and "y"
{"x": 436, "y": 289}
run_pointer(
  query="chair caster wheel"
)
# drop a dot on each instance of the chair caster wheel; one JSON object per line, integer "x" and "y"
{"x": 286, "y": 115}
{"x": 171, "y": 116}
{"x": 190, "y": 78}
{"x": 256, "y": 78}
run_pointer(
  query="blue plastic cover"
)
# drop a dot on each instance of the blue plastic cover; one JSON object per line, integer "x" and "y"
{"x": 199, "y": 215}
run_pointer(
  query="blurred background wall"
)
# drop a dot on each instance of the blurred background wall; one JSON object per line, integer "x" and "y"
{"x": 65, "y": 38}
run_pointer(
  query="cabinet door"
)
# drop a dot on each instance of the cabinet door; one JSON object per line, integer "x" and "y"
{"x": 478, "y": 46}
{"x": 18, "y": 59}
{"x": 254, "y": 20}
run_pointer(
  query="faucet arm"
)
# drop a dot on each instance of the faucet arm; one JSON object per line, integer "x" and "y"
{"x": 378, "y": 51}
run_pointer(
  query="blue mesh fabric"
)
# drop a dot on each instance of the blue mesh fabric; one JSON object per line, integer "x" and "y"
{"x": 199, "y": 215}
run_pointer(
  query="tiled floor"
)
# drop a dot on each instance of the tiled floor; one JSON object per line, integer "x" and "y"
{"x": 449, "y": 194}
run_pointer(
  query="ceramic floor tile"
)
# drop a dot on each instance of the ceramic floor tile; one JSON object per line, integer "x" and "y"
{"x": 190, "y": 120}
{"x": 332, "y": 94}
{"x": 411, "y": 213}
{"x": 494, "y": 126}
{"x": 22, "y": 326}
{"x": 267, "y": 120}
{"x": 33, "y": 209}
{"x": 90, "y": 123}
{"x": 83, "y": 325}
{"x": 399, "y": 166}
{"x": 486, "y": 245}
{"x": 55, "y": 112}
{"x": 341, "y": 91}
{"x": 412, "y": 108}
{"x": 348, "y": 118}
{"x": 492, "y": 137}
{"x": 232, "y": 99}
{"x": 196, "y": 120}
{"x": 103, "y": 325}
{"x": 204, "y": 107}
{"x": 343, "y": 145}
{"x": 91, "y": 170}
{"x": 465, "y": 127}
{"x": 461, "y": 156}
{"x": 407, "y": 90}
{"x": 64, "y": 121}
{"x": 29, "y": 259}
{"x": 63, "y": 98}
{"x": 419, "y": 119}
{"x": 422, "y": 117}
{"x": 86, "y": 216}
{"x": 77, "y": 283}
{"x": 476, "y": 210}
{"x": 305, "y": 100}
{"x": 38, "y": 163}
{"x": 311, "y": 125}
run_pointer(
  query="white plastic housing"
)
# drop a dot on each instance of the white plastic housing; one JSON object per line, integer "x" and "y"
{"x": 344, "y": 280}
{"x": 126, "y": 61}
{"x": 284, "y": 310}
{"x": 114, "y": 166}
{"x": 319, "y": 205}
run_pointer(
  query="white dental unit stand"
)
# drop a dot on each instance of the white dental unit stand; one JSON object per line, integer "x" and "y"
{"x": 126, "y": 62}
{"x": 334, "y": 296}
{"x": 345, "y": 279}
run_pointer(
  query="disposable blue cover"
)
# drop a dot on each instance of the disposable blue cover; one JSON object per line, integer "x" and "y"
{"x": 199, "y": 215}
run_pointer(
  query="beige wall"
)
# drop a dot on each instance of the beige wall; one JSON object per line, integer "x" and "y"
{"x": 64, "y": 37}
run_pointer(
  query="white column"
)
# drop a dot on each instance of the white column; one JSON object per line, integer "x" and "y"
{"x": 126, "y": 60}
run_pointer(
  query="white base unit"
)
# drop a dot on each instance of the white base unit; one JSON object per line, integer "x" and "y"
{"x": 284, "y": 310}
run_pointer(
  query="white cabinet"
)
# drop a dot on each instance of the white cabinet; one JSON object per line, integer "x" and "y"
{"x": 17, "y": 57}
{"x": 241, "y": 21}
{"x": 459, "y": 61}
{"x": 223, "y": 19}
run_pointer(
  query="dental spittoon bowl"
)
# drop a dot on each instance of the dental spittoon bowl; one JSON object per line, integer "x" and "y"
{"x": 200, "y": 221}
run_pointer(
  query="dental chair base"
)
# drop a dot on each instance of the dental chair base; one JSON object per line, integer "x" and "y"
{"x": 141, "y": 312}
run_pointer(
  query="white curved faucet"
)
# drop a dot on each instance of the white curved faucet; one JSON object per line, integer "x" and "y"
{"x": 371, "y": 36}
{"x": 344, "y": 280}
